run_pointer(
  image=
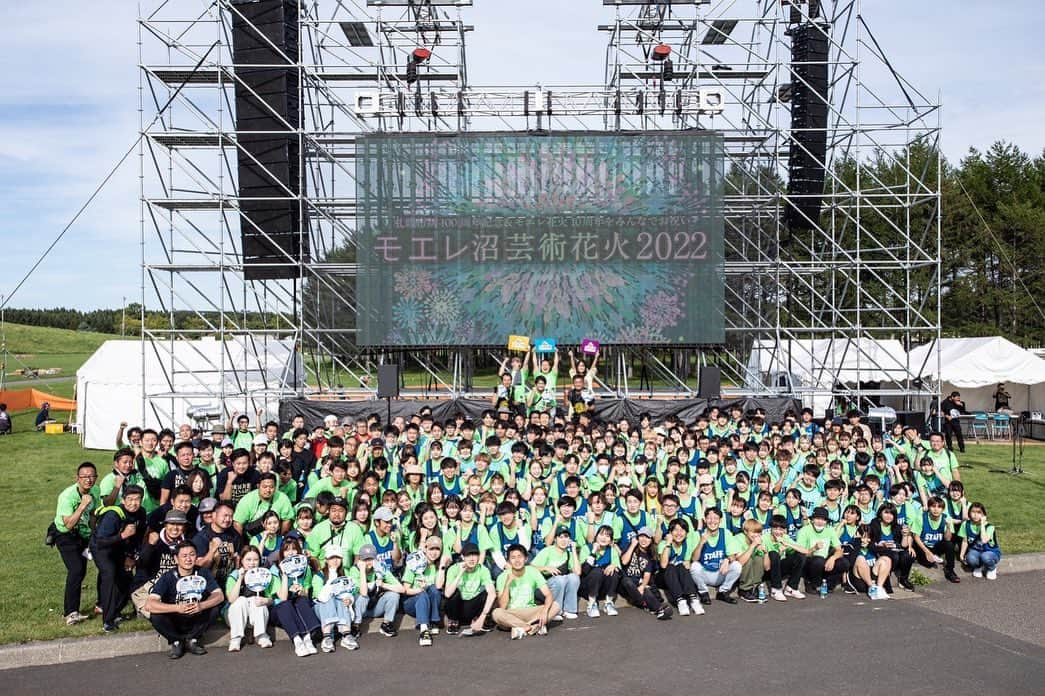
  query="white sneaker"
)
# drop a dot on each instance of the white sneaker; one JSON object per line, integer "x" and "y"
{"x": 683, "y": 608}
{"x": 593, "y": 609}
{"x": 937, "y": 559}
{"x": 696, "y": 606}
{"x": 74, "y": 618}
{"x": 309, "y": 645}
{"x": 992, "y": 574}
{"x": 350, "y": 643}
{"x": 569, "y": 615}
{"x": 299, "y": 647}
{"x": 263, "y": 641}
{"x": 609, "y": 608}
{"x": 558, "y": 618}
{"x": 518, "y": 633}
{"x": 778, "y": 595}
{"x": 235, "y": 644}
{"x": 793, "y": 593}
{"x": 328, "y": 644}
{"x": 977, "y": 573}
{"x": 543, "y": 630}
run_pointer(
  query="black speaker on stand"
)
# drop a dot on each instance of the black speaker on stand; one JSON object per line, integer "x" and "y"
{"x": 388, "y": 385}
{"x": 710, "y": 386}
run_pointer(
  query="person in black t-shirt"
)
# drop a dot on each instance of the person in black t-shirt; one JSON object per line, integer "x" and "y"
{"x": 950, "y": 409}
{"x": 184, "y": 602}
{"x": 218, "y": 544}
{"x": 238, "y": 479}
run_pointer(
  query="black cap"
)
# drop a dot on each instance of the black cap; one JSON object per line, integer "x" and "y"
{"x": 339, "y": 501}
{"x": 820, "y": 512}
{"x": 377, "y": 442}
{"x": 469, "y": 549}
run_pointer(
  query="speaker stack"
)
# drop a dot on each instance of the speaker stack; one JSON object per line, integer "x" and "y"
{"x": 265, "y": 50}
{"x": 809, "y": 119}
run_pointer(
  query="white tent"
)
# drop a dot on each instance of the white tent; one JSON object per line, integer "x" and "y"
{"x": 239, "y": 375}
{"x": 810, "y": 368}
{"x": 975, "y": 367}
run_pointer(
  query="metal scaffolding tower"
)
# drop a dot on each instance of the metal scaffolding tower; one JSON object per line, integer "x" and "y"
{"x": 821, "y": 298}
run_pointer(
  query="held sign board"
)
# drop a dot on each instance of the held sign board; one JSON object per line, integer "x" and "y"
{"x": 589, "y": 346}
{"x": 521, "y": 343}
{"x": 544, "y": 345}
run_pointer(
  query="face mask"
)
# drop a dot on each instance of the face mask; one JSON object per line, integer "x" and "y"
{"x": 603, "y": 469}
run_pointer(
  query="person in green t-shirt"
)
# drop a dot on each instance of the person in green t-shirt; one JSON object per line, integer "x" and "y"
{"x": 559, "y": 564}
{"x": 825, "y": 559}
{"x": 249, "y": 591}
{"x": 753, "y": 559}
{"x": 517, "y": 608}
{"x": 423, "y": 582}
{"x": 786, "y": 559}
{"x": 253, "y": 506}
{"x": 469, "y": 593}
{"x": 72, "y": 525}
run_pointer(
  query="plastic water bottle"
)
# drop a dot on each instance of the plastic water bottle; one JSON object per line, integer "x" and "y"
{"x": 823, "y": 589}
{"x": 761, "y": 593}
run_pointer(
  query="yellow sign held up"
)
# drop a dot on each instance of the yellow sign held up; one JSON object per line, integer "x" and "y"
{"x": 519, "y": 343}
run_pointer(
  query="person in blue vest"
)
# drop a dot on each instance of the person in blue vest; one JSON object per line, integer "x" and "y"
{"x": 389, "y": 555}
{"x": 506, "y": 531}
{"x": 632, "y": 518}
{"x": 933, "y": 539}
{"x": 980, "y": 550}
{"x": 714, "y": 563}
{"x": 676, "y": 554}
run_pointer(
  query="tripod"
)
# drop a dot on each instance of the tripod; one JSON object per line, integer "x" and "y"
{"x": 1017, "y": 446}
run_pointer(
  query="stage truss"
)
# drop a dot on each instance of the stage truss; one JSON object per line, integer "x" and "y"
{"x": 867, "y": 272}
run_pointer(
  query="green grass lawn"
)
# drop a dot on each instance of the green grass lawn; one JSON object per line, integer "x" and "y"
{"x": 40, "y": 347}
{"x": 37, "y": 467}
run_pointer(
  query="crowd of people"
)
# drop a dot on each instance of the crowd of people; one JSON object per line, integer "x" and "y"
{"x": 538, "y": 513}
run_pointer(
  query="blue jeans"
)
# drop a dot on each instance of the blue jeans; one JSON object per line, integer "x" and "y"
{"x": 333, "y": 611}
{"x": 424, "y": 606}
{"x": 564, "y": 589}
{"x": 384, "y": 606}
{"x": 988, "y": 560}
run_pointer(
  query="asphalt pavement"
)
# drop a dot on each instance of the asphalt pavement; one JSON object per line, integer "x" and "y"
{"x": 811, "y": 647}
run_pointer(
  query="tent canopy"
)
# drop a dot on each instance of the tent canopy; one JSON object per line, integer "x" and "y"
{"x": 978, "y": 362}
{"x": 975, "y": 367}
{"x": 238, "y": 374}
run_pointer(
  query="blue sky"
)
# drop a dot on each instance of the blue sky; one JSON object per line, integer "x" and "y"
{"x": 68, "y": 109}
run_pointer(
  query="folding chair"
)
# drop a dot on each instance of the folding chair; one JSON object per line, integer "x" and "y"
{"x": 980, "y": 422}
{"x": 1002, "y": 425}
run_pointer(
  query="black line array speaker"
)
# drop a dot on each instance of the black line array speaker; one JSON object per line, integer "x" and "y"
{"x": 265, "y": 49}
{"x": 710, "y": 383}
{"x": 388, "y": 381}
{"x": 809, "y": 118}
